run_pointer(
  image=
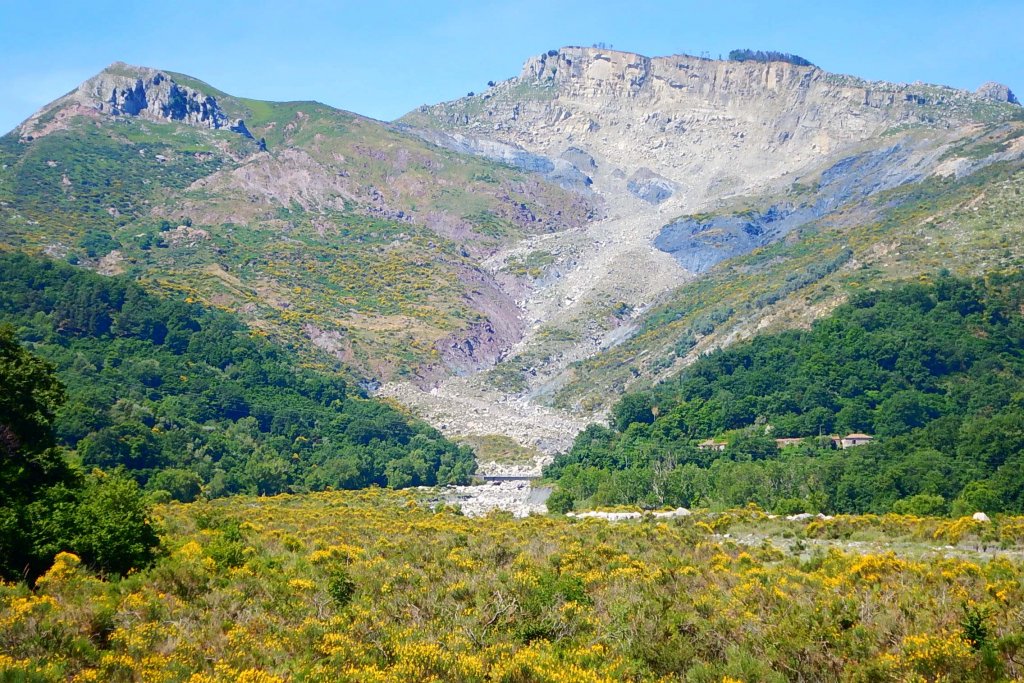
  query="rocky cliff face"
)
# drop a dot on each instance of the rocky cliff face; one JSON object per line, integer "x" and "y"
{"x": 124, "y": 90}
{"x": 710, "y": 127}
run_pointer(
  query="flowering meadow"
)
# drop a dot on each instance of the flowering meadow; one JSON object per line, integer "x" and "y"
{"x": 375, "y": 585}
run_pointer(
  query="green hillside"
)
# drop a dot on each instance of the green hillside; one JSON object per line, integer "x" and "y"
{"x": 346, "y": 239}
{"x": 934, "y": 370}
{"x": 189, "y": 400}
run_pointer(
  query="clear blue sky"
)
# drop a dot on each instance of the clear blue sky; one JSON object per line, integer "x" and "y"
{"x": 382, "y": 58}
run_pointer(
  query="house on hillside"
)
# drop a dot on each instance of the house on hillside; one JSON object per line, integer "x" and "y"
{"x": 851, "y": 440}
{"x": 787, "y": 442}
{"x": 712, "y": 445}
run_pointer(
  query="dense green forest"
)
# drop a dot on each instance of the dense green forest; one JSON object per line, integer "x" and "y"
{"x": 48, "y": 505}
{"x": 934, "y": 370}
{"x": 189, "y": 401}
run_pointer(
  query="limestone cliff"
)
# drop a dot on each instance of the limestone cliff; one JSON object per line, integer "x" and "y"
{"x": 997, "y": 92}
{"x": 710, "y": 127}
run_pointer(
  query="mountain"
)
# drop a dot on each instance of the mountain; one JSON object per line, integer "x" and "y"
{"x": 740, "y": 258}
{"x": 325, "y": 229}
{"x": 740, "y": 196}
{"x": 510, "y": 262}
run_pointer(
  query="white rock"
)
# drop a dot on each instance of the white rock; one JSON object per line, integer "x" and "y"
{"x": 671, "y": 514}
{"x": 980, "y": 517}
{"x": 512, "y": 497}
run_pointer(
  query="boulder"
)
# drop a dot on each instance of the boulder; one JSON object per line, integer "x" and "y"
{"x": 649, "y": 186}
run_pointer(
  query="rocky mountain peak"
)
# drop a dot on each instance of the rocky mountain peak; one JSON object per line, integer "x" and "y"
{"x": 611, "y": 69}
{"x": 997, "y": 92}
{"x": 710, "y": 128}
{"x": 126, "y": 90}
{"x": 696, "y": 161}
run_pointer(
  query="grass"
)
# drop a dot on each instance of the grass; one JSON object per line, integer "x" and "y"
{"x": 532, "y": 265}
{"x": 498, "y": 448}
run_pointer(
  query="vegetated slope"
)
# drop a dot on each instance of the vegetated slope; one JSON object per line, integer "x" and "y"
{"x": 375, "y": 586}
{"x": 708, "y": 161}
{"x": 47, "y": 505}
{"x": 934, "y": 370}
{"x": 189, "y": 400}
{"x": 337, "y": 234}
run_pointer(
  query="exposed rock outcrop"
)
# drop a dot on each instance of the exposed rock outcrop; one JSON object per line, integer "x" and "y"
{"x": 997, "y": 92}
{"x": 649, "y": 186}
{"x": 699, "y": 243}
{"x": 710, "y": 127}
{"x": 580, "y": 159}
{"x": 125, "y": 90}
{"x": 561, "y": 171}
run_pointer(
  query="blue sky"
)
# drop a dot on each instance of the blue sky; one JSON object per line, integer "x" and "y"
{"x": 384, "y": 58}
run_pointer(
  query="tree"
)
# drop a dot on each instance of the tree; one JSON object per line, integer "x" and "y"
{"x": 977, "y": 496}
{"x": 767, "y": 56}
{"x": 633, "y": 408}
{"x": 29, "y": 463}
{"x": 29, "y": 400}
{"x": 922, "y": 505}
{"x": 182, "y": 485}
{"x": 112, "y": 528}
{"x": 905, "y": 411}
{"x": 560, "y": 501}
{"x": 45, "y": 505}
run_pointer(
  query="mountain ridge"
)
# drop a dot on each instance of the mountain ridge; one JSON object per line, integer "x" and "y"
{"x": 308, "y": 171}
{"x": 484, "y": 257}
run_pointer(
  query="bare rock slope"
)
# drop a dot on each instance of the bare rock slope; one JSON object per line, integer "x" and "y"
{"x": 660, "y": 139}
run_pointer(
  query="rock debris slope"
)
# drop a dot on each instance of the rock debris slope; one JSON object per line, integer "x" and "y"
{"x": 661, "y": 139}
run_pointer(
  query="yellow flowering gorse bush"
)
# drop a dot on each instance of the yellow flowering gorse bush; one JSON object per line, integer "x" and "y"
{"x": 375, "y": 586}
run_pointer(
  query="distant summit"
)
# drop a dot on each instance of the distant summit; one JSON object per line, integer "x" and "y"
{"x": 125, "y": 90}
{"x": 997, "y": 92}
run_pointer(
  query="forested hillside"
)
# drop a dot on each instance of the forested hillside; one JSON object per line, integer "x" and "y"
{"x": 189, "y": 400}
{"x": 934, "y": 370}
{"x": 47, "y": 505}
